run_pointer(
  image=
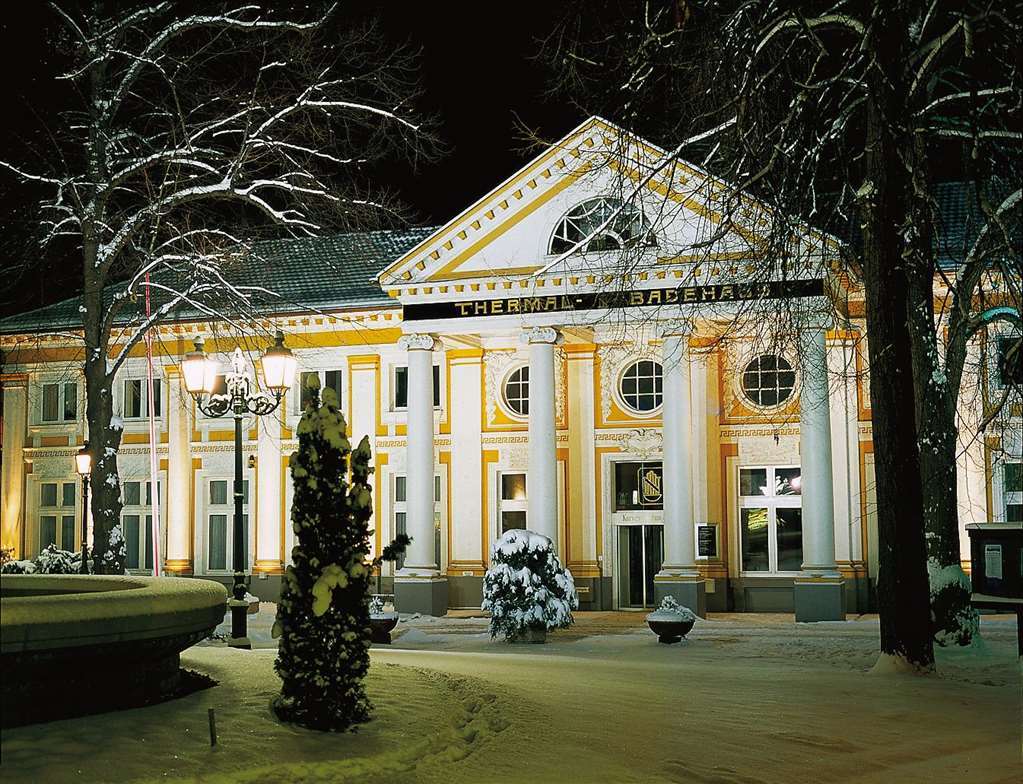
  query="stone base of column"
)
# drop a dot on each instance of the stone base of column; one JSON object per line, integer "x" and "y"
{"x": 690, "y": 592}
{"x": 819, "y": 599}
{"x": 423, "y": 595}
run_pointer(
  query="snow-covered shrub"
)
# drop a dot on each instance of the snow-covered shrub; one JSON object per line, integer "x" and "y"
{"x": 53, "y": 560}
{"x": 323, "y": 613}
{"x": 955, "y": 620}
{"x": 670, "y": 610}
{"x": 526, "y": 586}
{"x": 18, "y": 567}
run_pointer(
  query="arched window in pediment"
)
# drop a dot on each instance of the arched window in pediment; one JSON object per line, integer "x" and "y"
{"x": 626, "y": 227}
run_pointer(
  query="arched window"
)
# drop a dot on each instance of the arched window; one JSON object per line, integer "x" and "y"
{"x": 768, "y": 380}
{"x": 641, "y": 385}
{"x": 628, "y": 228}
{"x": 516, "y": 390}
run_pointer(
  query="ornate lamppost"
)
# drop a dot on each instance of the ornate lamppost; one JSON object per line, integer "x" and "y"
{"x": 200, "y": 373}
{"x": 83, "y": 465}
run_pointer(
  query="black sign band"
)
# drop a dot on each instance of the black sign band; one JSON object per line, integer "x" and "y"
{"x": 555, "y": 303}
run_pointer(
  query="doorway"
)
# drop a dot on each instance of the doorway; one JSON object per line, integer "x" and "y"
{"x": 640, "y": 555}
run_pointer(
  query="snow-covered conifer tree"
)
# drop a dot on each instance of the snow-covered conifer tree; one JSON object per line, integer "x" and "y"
{"x": 323, "y": 614}
{"x": 526, "y": 588}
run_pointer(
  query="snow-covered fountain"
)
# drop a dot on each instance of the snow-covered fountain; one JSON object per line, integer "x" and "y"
{"x": 76, "y": 644}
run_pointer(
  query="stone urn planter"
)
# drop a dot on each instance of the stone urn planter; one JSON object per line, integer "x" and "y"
{"x": 671, "y": 621}
{"x": 381, "y": 625}
{"x": 534, "y": 634}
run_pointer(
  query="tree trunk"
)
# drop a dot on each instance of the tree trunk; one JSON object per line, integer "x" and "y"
{"x": 108, "y": 551}
{"x": 955, "y": 621}
{"x": 902, "y": 574}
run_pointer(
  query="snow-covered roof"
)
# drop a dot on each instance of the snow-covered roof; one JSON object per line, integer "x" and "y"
{"x": 313, "y": 272}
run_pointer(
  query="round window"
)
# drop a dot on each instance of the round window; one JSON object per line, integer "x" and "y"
{"x": 768, "y": 380}
{"x": 516, "y": 390}
{"x": 641, "y": 385}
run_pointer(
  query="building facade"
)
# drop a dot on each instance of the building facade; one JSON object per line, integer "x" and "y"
{"x": 590, "y": 351}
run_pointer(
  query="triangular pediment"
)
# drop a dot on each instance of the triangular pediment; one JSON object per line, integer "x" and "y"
{"x": 506, "y": 235}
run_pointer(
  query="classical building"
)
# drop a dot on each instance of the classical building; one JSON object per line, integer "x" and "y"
{"x": 590, "y": 351}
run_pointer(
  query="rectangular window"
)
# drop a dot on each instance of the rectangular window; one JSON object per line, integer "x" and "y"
{"x": 220, "y": 525}
{"x": 400, "y": 510}
{"x": 1012, "y": 491}
{"x": 59, "y": 402}
{"x": 137, "y": 523}
{"x": 512, "y": 509}
{"x": 135, "y": 402}
{"x": 771, "y": 519}
{"x": 58, "y": 518}
{"x": 1009, "y": 357}
{"x": 329, "y": 379}
{"x": 401, "y": 387}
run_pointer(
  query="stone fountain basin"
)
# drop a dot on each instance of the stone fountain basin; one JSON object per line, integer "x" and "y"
{"x": 75, "y": 644}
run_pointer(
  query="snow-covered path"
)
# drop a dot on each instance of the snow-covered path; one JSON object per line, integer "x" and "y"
{"x": 741, "y": 703}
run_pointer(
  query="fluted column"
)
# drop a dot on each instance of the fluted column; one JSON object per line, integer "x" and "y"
{"x": 418, "y": 584}
{"x": 179, "y": 477}
{"x": 542, "y": 470}
{"x": 678, "y": 576}
{"x": 818, "y": 591}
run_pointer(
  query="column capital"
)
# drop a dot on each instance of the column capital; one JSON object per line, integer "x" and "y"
{"x": 541, "y": 335}
{"x": 416, "y": 342}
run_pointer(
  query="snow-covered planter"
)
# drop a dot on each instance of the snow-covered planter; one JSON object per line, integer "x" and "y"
{"x": 671, "y": 621}
{"x": 381, "y": 622}
{"x": 526, "y": 589}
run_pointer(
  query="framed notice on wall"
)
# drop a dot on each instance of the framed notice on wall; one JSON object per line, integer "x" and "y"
{"x": 706, "y": 540}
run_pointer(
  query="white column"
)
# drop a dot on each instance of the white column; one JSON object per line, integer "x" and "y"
{"x": 268, "y": 481}
{"x": 679, "y": 537}
{"x": 419, "y": 456}
{"x": 815, "y": 456}
{"x": 179, "y": 476}
{"x": 542, "y": 471}
{"x": 12, "y": 472}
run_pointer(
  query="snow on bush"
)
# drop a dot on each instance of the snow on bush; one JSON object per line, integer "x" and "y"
{"x": 670, "y": 610}
{"x": 526, "y": 586}
{"x": 950, "y": 602}
{"x": 51, "y": 560}
{"x": 323, "y": 614}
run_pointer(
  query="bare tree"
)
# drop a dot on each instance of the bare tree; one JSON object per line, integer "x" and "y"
{"x": 192, "y": 133}
{"x": 844, "y": 114}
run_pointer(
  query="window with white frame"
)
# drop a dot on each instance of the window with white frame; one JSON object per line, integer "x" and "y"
{"x": 771, "y": 518}
{"x": 607, "y": 222}
{"x": 57, "y": 517}
{"x": 400, "y": 507}
{"x": 641, "y": 386}
{"x": 135, "y": 398}
{"x": 768, "y": 380}
{"x": 516, "y": 391}
{"x": 58, "y": 401}
{"x": 137, "y": 523}
{"x": 401, "y": 386}
{"x": 512, "y": 505}
{"x": 1012, "y": 491}
{"x": 329, "y": 379}
{"x": 220, "y": 524}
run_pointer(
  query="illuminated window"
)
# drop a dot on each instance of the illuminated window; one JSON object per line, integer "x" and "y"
{"x": 771, "y": 519}
{"x": 57, "y": 516}
{"x": 626, "y": 227}
{"x": 768, "y": 380}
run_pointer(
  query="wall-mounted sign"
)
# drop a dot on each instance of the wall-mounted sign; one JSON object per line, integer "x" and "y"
{"x": 555, "y": 303}
{"x": 706, "y": 540}
{"x": 993, "y": 561}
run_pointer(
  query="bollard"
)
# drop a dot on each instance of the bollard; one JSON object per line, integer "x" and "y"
{"x": 213, "y": 727}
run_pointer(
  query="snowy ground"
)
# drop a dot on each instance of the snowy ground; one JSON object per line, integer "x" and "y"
{"x": 747, "y": 699}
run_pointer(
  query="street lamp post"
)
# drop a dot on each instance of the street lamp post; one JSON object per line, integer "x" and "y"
{"x": 83, "y": 465}
{"x": 200, "y": 374}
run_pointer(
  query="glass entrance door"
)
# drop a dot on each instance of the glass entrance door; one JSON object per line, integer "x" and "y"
{"x": 640, "y": 555}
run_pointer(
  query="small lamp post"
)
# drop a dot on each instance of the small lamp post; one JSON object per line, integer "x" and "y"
{"x": 200, "y": 374}
{"x": 83, "y": 465}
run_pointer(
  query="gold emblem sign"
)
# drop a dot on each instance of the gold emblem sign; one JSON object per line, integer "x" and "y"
{"x": 650, "y": 486}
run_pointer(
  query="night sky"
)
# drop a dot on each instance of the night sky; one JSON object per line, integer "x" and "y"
{"x": 479, "y": 73}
